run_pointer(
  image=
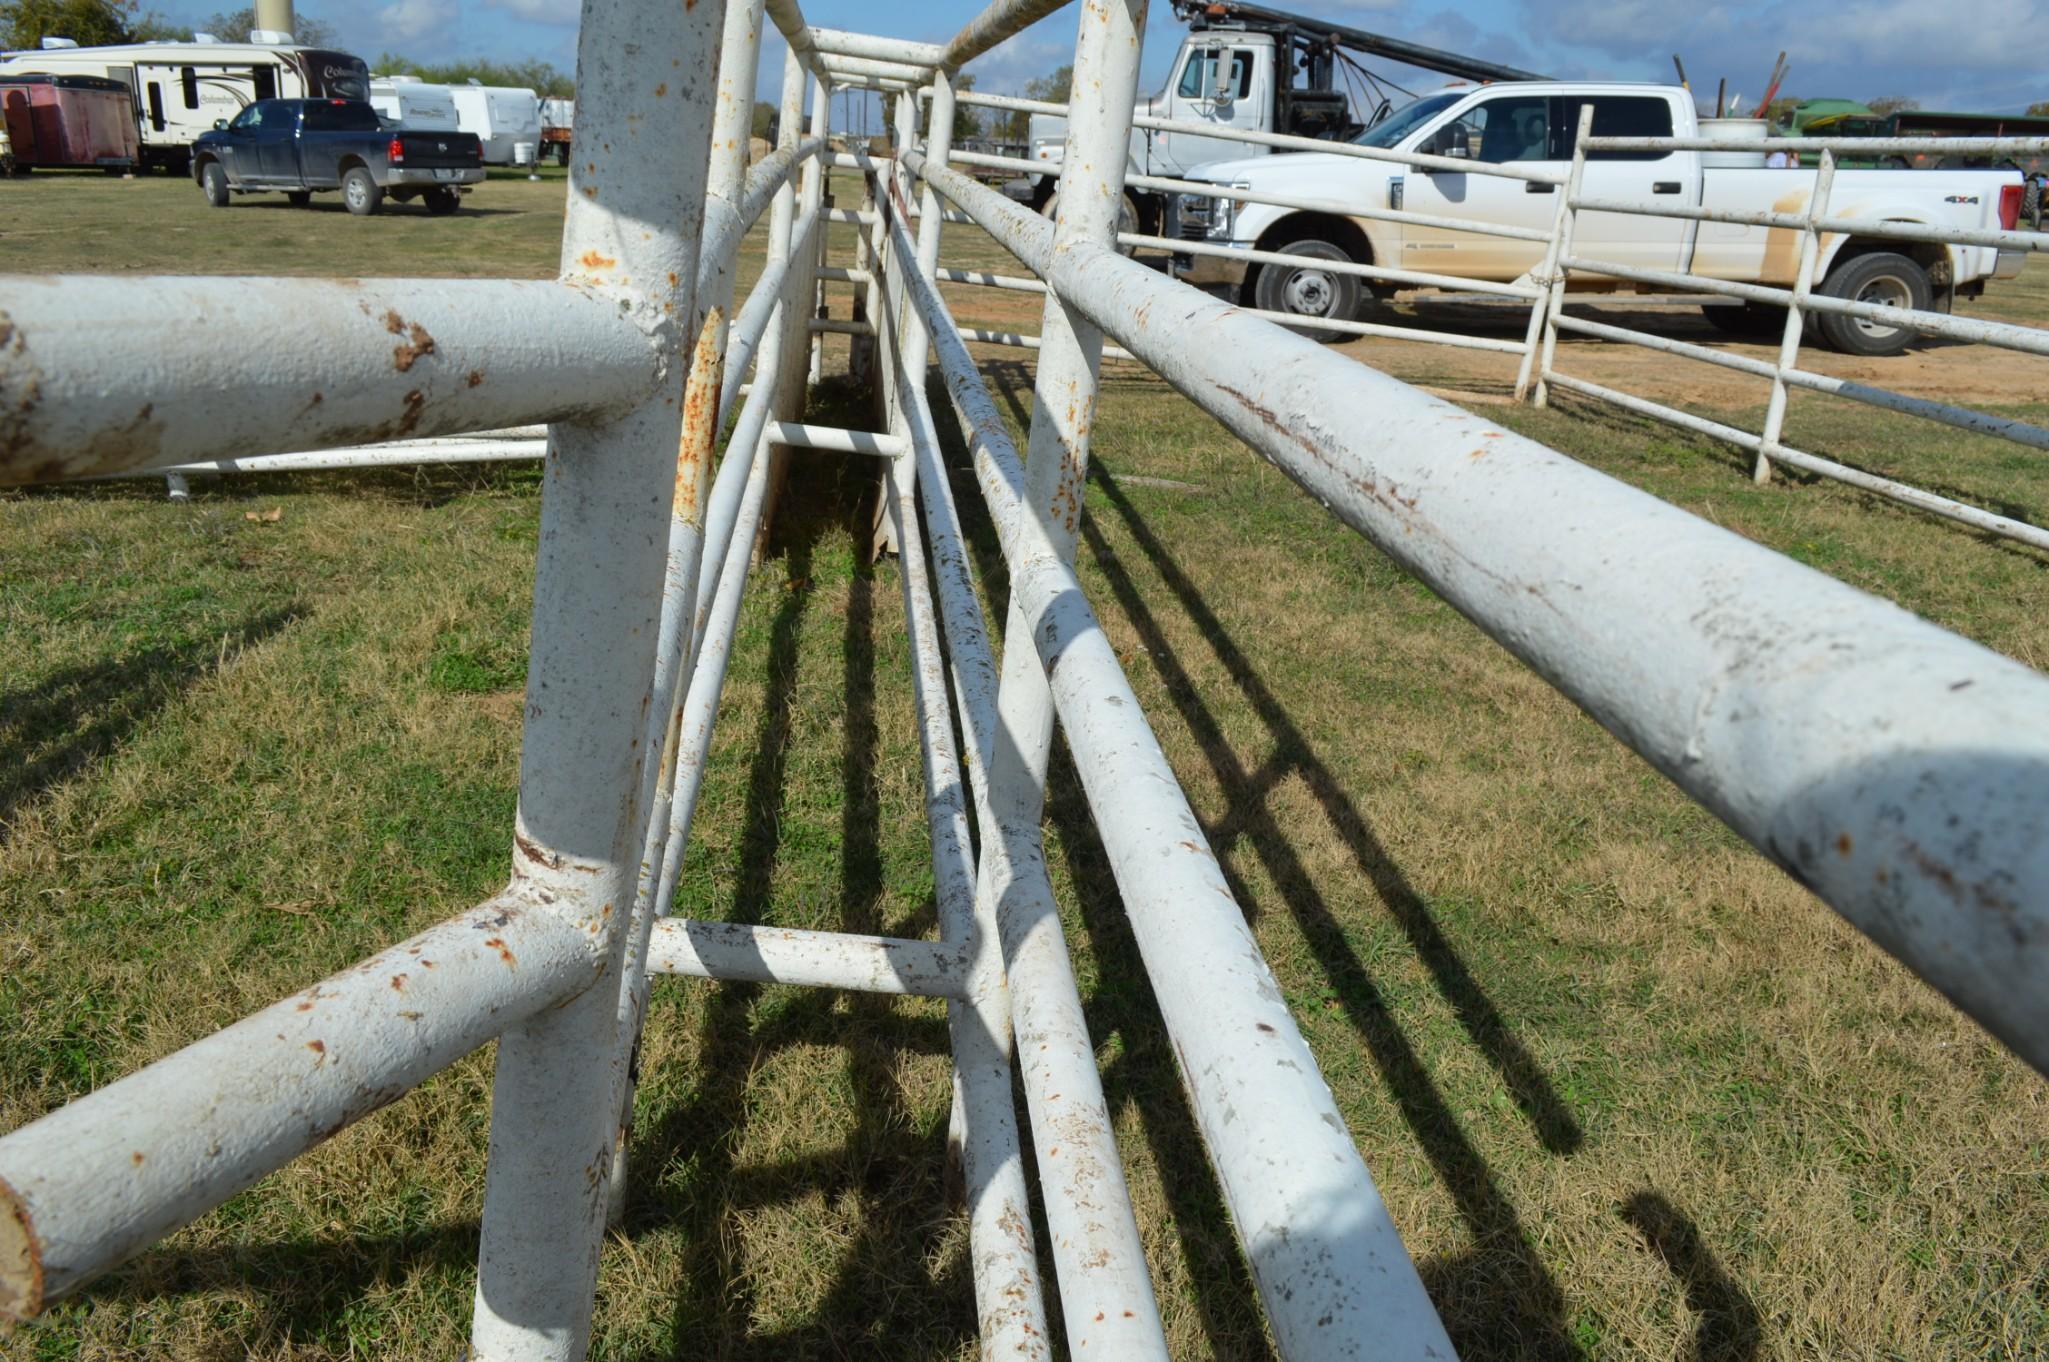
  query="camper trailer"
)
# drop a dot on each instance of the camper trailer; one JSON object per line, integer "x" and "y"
{"x": 409, "y": 102}
{"x": 49, "y": 122}
{"x": 558, "y": 120}
{"x": 182, "y": 89}
{"x": 502, "y": 117}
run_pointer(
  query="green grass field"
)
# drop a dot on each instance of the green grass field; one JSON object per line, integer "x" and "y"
{"x": 1629, "y": 1092}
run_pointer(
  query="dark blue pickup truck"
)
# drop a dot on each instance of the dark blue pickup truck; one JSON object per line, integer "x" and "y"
{"x": 302, "y": 147}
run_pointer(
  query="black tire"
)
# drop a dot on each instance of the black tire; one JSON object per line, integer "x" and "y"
{"x": 1305, "y": 291}
{"x": 442, "y": 201}
{"x": 361, "y": 192}
{"x": 1750, "y": 321}
{"x": 299, "y": 198}
{"x": 213, "y": 182}
{"x": 1880, "y": 277}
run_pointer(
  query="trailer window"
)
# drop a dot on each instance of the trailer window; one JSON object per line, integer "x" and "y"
{"x": 189, "y": 80}
{"x": 156, "y": 105}
{"x": 1614, "y": 116}
{"x": 266, "y": 82}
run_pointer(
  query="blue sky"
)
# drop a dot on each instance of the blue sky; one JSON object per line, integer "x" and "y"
{"x": 1991, "y": 54}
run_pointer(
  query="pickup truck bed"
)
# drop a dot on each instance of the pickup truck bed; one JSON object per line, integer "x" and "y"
{"x": 307, "y": 146}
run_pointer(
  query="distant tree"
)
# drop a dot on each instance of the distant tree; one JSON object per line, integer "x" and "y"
{"x": 1053, "y": 89}
{"x": 235, "y": 26}
{"x": 89, "y": 23}
{"x": 1887, "y": 105}
{"x": 2039, "y": 110}
{"x": 538, "y": 76}
{"x": 765, "y": 119}
{"x": 967, "y": 120}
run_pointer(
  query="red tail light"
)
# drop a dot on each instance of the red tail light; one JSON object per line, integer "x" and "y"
{"x": 2009, "y": 207}
{"x": 397, "y": 152}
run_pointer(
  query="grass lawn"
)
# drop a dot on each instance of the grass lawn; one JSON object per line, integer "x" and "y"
{"x": 1629, "y": 1092}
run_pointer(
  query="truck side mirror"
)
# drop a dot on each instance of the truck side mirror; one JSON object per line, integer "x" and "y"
{"x": 1450, "y": 140}
{"x": 1222, "y": 88}
{"x": 220, "y": 125}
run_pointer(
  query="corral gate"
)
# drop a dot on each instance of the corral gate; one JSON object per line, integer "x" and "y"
{"x": 1899, "y": 771}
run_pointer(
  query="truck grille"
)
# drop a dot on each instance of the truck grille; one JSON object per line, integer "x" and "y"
{"x": 1189, "y": 217}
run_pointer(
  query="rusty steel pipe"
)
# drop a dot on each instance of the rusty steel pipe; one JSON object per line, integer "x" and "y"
{"x": 105, "y": 1176}
{"x": 87, "y": 385}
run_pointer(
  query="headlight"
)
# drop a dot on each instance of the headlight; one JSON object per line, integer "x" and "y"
{"x": 1224, "y": 215}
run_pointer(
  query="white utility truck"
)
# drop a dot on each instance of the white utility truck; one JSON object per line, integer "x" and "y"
{"x": 1532, "y": 124}
{"x": 1248, "y": 68}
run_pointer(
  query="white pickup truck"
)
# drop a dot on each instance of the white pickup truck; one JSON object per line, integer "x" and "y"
{"x": 1532, "y": 123}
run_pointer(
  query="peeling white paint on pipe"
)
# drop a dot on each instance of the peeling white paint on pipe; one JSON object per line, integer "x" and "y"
{"x": 105, "y": 1176}
{"x": 789, "y": 955}
{"x": 88, "y": 387}
{"x": 833, "y": 42}
{"x": 587, "y": 774}
{"x": 1898, "y": 771}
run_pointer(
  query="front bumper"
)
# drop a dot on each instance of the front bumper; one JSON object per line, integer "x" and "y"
{"x": 409, "y": 178}
{"x": 1207, "y": 270}
{"x": 2008, "y": 264}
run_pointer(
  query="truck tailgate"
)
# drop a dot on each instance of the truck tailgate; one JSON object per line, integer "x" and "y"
{"x": 438, "y": 150}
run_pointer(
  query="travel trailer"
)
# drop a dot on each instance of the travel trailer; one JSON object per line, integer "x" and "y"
{"x": 50, "y": 122}
{"x": 182, "y": 89}
{"x": 501, "y": 116}
{"x": 409, "y": 102}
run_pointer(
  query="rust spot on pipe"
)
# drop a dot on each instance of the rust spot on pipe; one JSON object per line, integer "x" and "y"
{"x": 426, "y": 964}
{"x": 473, "y": 378}
{"x": 497, "y": 943}
{"x": 136, "y": 1158}
{"x": 1843, "y": 843}
{"x": 398, "y": 983}
{"x": 318, "y": 1047}
{"x": 591, "y": 260}
{"x": 21, "y": 1259}
{"x": 533, "y": 851}
{"x": 415, "y": 407}
{"x": 700, "y": 418}
{"x": 416, "y": 341}
{"x": 661, "y": 90}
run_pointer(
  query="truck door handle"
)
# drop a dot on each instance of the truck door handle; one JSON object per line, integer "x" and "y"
{"x": 1665, "y": 187}
{"x": 1536, "y": 187}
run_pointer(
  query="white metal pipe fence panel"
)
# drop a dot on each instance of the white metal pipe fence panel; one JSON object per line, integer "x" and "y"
{"x": 1896, "y": 770}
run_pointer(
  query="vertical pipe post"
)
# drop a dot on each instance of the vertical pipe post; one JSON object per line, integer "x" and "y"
{"x": 631, "y": 230}
{"x": 1107, "y": 1301}
{"x": 725, "y": 178}
{"x": 1560, "y": 249}
{"x": 1796, "y": 316}
{"x": 787, "y": 403}
{"x": 1540, "y": 306}
{"x": 821, "y": 126}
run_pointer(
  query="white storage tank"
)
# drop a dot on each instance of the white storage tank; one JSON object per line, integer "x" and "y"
{"x": 1738, "y": 129}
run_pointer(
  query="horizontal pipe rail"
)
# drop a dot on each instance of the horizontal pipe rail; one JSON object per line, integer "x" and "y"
{"x": 1168, "y": 185}
{"x": 833, "y": 42}
{"x": 88, "y": 386}
{"x": 840, "y": 70}
{"x": 1281, "y": 141}
{"x": 841, "y": 326}
{"x": 1003, "y": 19}
{"x": 2032, "y": 340}
{"x": 103, "y": 1177}
{"x": 1872, "y": 228}
{"x": 1013, "y": 282}
{"x": 1019, "y": 341}
{"x": 1417, "y": 278}
{"x": 834, "y": 439}
{"x": 1963, "y": 418}
{"x": 1898, "y": 771}
{"x": 788, "y": 955}
{"x": 1962, "y": 512}
{"x": 1841, "y": 146}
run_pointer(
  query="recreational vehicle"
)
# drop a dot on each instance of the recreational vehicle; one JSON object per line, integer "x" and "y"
{"x": 409, "y": 102}
{"x": 501, "y": 117}
{"x": 182, "y": 89}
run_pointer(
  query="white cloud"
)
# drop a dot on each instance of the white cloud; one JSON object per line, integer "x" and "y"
{"x": 541, "y": 11}
{"x": 414, "y": 21}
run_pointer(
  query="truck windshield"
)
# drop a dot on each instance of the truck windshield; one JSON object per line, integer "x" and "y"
{"x": 1404, "y": 120}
